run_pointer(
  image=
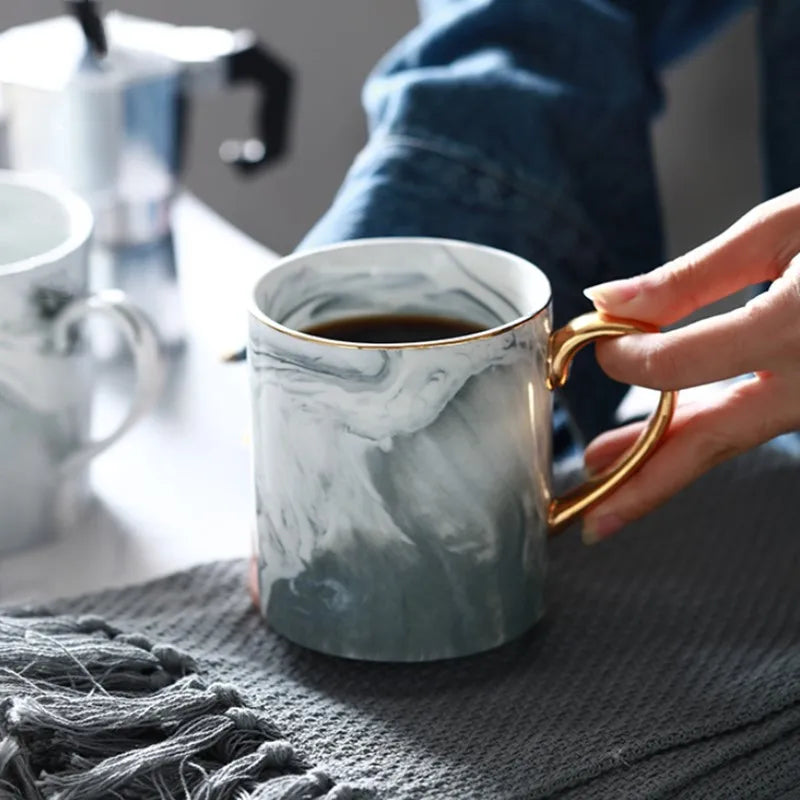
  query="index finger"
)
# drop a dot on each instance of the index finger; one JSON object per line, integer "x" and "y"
{"x": 760, "y": 336}
{"x": 756, "y": 248}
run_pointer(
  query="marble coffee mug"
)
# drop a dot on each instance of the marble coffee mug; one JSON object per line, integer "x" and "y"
{"x": 46, "y": 371}
{"x": 403, "y": 490}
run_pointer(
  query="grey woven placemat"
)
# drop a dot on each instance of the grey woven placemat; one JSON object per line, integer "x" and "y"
{"x": 668, "y": 666}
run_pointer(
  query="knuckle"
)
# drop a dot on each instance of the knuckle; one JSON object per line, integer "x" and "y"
{"x": 660, "y": 366}
{"x": 792, "y": 276}
{"x": 678, "y": 278}
{"x": 773, "y": 317}
{"x": 775, "y": 224}
{"x": 757, "y": 217}
{"x": 772, "y": 419}
{"x": 786, "y": 252}
{"x": 756, "y": 309}
{"x": 714, "y": 447}
{"x": 651, "y": 362}
{"x": 765, "y": 214}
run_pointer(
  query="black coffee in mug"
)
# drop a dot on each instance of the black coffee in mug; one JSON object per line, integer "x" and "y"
{"x": 394, "y": 329}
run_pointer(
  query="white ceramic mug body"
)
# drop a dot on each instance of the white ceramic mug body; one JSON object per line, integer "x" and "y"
{"x": 46, "y": 373}
{"x": 402, "y": 490}
{"x": 44, "y": 399}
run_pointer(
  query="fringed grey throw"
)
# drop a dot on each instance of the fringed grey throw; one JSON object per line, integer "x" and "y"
{"x": 668, "y": 666}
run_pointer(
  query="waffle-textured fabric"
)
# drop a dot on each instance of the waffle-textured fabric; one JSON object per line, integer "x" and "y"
{"x": 668, "y": 666}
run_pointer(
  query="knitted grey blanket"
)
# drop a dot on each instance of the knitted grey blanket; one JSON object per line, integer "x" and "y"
{"x": 668, "y": 666}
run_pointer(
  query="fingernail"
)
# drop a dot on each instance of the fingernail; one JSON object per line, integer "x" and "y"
{"x": 591, "y": 470}
{"x": 613, "y": 294}
{"x": 595, "y": 529}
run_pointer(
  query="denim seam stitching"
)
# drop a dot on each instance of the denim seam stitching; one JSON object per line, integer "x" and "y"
{"x": 556, "y": 201}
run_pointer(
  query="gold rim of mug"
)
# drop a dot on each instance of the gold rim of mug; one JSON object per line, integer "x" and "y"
{"x": 489, "y": 333}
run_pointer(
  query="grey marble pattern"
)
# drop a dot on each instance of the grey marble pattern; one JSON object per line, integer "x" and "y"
{"x": 401, "y": 491}
{"x": 30, "y": 374}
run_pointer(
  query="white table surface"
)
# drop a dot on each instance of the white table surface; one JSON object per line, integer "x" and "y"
{"x": 177, "y": 490}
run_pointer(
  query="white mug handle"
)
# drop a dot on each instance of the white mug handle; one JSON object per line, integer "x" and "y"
{"x": 143, "y": 342}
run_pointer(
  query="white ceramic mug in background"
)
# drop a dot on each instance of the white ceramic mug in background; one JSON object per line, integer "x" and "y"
{"x": 403, "y": 490}
{"x": 46, "y": 371}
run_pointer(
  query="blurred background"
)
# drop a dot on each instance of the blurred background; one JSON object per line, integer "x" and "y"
{"x": 706, "y": 142}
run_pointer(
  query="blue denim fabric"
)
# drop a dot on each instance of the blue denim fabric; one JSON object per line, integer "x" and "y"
{"x": 525, "y": 124}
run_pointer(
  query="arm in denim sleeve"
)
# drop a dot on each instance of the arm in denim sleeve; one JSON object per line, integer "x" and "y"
{"x": 522, "y": 124}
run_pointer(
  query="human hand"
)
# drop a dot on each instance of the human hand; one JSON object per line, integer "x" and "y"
{"x": 762, "y": 337}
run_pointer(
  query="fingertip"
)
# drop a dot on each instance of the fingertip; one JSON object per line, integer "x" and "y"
{"x": 613, "y": 296}
{"x": 595, "y": 461}
{"x": 588, "y": 537}
{"x": 599, "y": 526}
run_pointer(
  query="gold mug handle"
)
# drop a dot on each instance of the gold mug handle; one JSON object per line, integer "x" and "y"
{"x": 562, "y": 347}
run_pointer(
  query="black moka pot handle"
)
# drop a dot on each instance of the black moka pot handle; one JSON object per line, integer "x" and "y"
{"x": 251, "y": 63}
{"x": 87, "y": 12}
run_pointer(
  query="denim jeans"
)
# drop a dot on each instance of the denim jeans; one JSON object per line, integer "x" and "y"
{"x": 525, "y": 124}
